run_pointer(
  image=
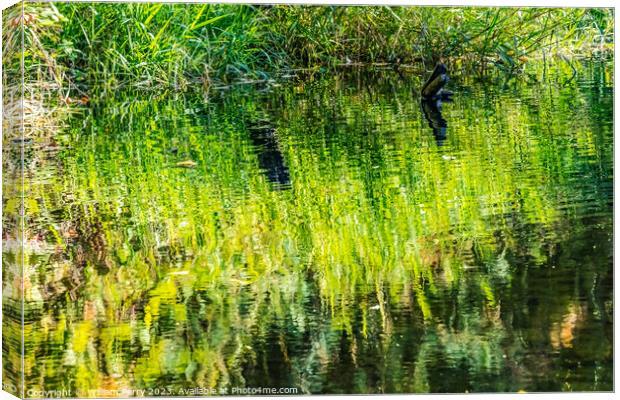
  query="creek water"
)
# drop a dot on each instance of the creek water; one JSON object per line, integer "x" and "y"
{"x": 326, "y": 235}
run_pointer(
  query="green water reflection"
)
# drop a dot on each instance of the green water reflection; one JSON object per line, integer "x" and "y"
{"x": 327, "y": 240}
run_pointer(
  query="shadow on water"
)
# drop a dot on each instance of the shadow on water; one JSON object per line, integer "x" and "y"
{"x": 270, "y": 158}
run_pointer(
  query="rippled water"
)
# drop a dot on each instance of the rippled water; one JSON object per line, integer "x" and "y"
{"x": 330, "y": 235}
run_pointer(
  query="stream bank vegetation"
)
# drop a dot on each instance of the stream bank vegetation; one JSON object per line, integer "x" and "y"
{"x": 83, "y": 47}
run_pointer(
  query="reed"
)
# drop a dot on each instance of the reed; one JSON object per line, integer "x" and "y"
{"x": 146, "y": 46}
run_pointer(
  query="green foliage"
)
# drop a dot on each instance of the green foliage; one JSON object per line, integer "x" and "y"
{"x": 152, "y": 45}
{"x": 172, "y": 45}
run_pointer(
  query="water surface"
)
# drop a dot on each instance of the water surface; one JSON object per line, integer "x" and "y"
{"x": 333, "y": 236}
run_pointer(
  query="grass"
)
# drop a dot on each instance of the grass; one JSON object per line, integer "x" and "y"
{"x": 97, "y": 45}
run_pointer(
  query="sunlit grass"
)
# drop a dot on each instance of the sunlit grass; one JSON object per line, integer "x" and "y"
{"x": 87, "y": 47}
